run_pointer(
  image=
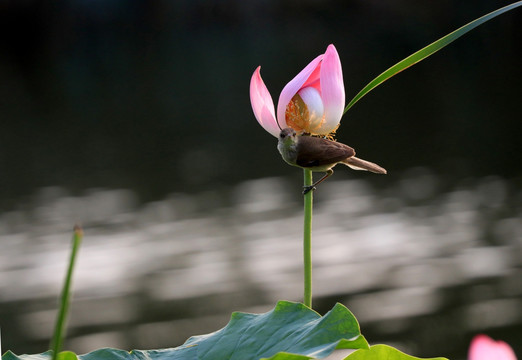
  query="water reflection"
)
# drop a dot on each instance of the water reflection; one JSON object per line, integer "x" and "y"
{"x": 413, "y": 261}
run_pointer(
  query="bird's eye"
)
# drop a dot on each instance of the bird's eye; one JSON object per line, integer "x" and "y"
{"x": 282, "y": 136}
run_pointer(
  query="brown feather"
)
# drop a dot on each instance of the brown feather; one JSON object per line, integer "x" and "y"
{"x": 313, "y": 151}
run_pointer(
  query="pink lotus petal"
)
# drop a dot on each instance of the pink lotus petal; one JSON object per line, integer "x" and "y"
{"x": 262, "y": 104}
{"x": 293, "y": 87}
{"x": 314, "y": 80}
{"x": 332, "y": 89}
{"x": 485, "y": 348}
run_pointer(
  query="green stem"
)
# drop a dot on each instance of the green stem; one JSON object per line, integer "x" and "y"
{"x": 59, "y": 330}
{"x": 307, "y": 239}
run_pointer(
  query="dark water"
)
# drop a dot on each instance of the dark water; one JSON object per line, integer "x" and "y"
{"x": 153, "y": 96}
{"x": 422, "y": 268}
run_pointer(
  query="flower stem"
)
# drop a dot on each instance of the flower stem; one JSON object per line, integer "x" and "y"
{"x": 59, "y": 330}
{"x": 307, "y": 239}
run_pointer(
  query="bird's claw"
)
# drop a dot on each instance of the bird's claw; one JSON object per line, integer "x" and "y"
{"x": 307, "y": 189}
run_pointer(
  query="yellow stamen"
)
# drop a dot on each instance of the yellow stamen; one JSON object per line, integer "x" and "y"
{"x": 297, "y": 115}
{"x": 331, "y": 135}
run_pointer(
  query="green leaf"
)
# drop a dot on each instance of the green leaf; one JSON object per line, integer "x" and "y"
{"x": 290, "y": 327}
{"x": 67, "y": 355}
{"x": 383, "y": 352}
{"x": 291, "y": 331}
{"x": 427, "y": 51}
{"x": 10, "y": 356}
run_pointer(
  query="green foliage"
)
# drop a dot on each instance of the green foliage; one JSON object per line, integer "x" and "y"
{"x": 427, "y": 51}
{"x": 289, "y": 327}
{"x": 67, "y": 355}
{"x": 383, "y": 352}
{"x": 291, "y": 331}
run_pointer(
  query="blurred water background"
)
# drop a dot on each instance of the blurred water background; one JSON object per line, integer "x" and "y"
{"x": 133, "y": 119}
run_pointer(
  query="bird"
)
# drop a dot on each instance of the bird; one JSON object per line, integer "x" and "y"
{"x": 319, "y": 155}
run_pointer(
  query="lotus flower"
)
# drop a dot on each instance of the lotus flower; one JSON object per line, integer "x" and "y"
{"x": 313, "y": 102}
{"x": 485, "y": 348}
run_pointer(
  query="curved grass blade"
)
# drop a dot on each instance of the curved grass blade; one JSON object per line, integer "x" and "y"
{"x": 59, "y": 331}
{"x": 427, "y": 51}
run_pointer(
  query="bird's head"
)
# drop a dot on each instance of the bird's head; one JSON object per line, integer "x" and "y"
{"x": 288, "y": 136}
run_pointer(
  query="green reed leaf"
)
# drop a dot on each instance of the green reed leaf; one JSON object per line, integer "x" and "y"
{"x": 427, "y": 51}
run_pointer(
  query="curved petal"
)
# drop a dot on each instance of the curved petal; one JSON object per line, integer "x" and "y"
{"x": 484, "y": 348}
{"x": 312, "y": 98}
{"x": 332, "y": 90}
{"x": 262, "y": 104}
{"x": 294, "y": 86}
{"x": 314, "y": 79}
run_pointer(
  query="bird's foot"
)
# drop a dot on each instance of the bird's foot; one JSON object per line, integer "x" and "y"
{"x": 307, "y": 189}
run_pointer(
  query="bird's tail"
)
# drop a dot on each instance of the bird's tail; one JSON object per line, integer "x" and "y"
{"x": 360, "y": 164}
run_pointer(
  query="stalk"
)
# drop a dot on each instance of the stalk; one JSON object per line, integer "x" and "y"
{"x": 307, "y": 239}
{"x": 59, "y": 330}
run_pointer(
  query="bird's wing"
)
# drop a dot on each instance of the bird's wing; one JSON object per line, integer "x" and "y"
{"x": 313, "y": 151}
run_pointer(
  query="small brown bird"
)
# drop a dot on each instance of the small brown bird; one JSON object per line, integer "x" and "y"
{"x": 319, "y": 155}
